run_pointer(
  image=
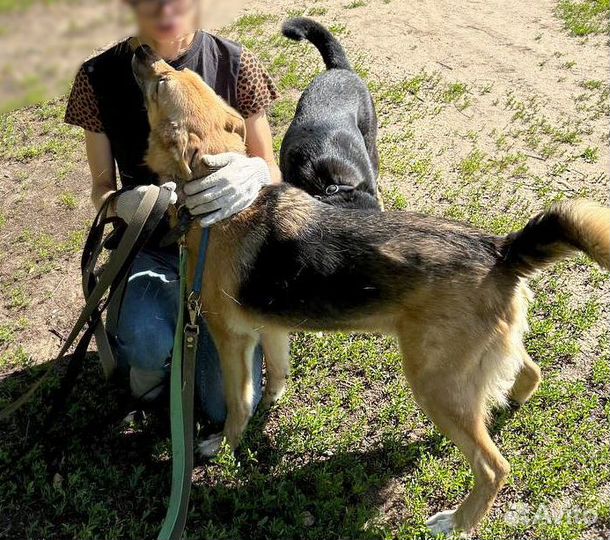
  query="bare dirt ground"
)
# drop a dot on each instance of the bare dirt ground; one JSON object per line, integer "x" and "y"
{"x": 496, "y": 48}
{"x": 43, "y": 46}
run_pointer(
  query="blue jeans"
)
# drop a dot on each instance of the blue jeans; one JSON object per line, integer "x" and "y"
{"x": 146, "y": 326}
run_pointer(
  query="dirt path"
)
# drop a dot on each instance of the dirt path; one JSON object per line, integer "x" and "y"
{"x": 495, "y": 48}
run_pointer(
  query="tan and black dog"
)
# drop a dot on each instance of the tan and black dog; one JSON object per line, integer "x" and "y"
{"x": 455, "y": 297}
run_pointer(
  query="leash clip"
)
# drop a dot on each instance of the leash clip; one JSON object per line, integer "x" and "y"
{"x": 193, "y": 308}
{"x": 191, "y": 335}
{"x": 191, "y": 329}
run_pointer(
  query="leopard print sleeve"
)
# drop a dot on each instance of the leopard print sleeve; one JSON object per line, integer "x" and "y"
{"x": 83, "y": 109}
{"x": 255, "y": 88}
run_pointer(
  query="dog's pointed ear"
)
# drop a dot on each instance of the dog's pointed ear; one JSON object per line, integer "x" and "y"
{"x": 180, "y": 149}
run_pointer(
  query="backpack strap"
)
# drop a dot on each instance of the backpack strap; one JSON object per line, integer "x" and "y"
{"x": 147, "y": 217}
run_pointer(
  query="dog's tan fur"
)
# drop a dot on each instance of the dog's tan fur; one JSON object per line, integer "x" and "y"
{"x": 461, "y": 337}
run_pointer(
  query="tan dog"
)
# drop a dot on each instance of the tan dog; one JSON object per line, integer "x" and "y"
{"x": 455, "y": 297}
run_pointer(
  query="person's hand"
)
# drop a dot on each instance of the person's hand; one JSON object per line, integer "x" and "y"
{"x": 231, "y": 188}
{"x": 127, "y": 203}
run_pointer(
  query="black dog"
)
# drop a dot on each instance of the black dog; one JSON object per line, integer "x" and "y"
{"x": 330, "y": 147}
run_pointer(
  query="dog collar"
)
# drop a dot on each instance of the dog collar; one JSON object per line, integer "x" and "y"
{"x": 336, "y": 188}
{"x": 333, "y": 189}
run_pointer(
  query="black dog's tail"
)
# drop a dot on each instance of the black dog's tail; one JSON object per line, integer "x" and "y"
{"x": 331, "y": 50}
{"x": 566, "y": 227}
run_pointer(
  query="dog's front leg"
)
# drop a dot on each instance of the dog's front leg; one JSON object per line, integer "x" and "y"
{"x": 236, "y": 364}
{"x": 235, "y": 352}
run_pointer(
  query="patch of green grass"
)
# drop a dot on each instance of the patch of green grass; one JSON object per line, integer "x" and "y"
{"x": 592, "y": 84}
{"x": 16, "y": 358}
{"x": 601, "y": 371}
{"x": 399, "y": 92}
{"x": 395, "y": 200}
{"x": 45, "y": 252}
{"x": 317, "y": 11}
{"x": 18, "y": 298}
{"x": 454, "y": 92}
{"x": 6, "y": 334}
{"x": 590, "y": 155}
{"x": 8, "y": 331}
{"x": 14, "y": 5}
{"x": 473, "y": 163}
{"x": 355, "y": 4}
{"x": 32, "y": 92}
{"x": 252, "y": 22}
{"x": 533, "y": 127}
{"x": 338, "y": 29}
{"x": 68, "y": 200}
{"x": 584, "y": 17}
{"x": 46, "y": 135}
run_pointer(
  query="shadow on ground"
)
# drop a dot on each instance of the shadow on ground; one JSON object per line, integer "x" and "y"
{"x": 93, "y": 476}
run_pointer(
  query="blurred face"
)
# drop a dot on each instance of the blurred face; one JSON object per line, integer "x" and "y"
{"x": 165, "y": 20}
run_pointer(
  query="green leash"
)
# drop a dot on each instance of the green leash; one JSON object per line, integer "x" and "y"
{"x": 182, "y": 386}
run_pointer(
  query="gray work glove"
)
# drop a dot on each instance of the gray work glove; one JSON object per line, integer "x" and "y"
{"x": 127, "y": 203}
{"x": 231, "y": 188}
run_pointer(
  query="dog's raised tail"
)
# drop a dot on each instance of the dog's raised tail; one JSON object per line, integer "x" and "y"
{"x": 332, "y": 52}
{"x": 566, "y": 227}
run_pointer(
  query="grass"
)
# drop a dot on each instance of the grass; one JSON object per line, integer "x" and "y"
{"x": 590, "y": 155}
{"x": 355, "y": 4}
{"x": 44, "y": 135}
{"x": 585, "y": 17}
{"x": 68, "y": 200}
{"x": 347, "y": 453}
{"x": 472, "y": 163}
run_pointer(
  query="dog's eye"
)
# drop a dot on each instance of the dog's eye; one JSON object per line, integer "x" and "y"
{"x": 161, "y": 81}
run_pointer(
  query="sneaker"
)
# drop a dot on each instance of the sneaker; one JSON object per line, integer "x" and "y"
{"x": 145, "y": 384}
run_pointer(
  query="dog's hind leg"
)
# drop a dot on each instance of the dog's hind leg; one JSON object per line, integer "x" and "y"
{"x": 456, "y": 404}
{"x": 276, "y": 346}
{"x": 527, "y": 382}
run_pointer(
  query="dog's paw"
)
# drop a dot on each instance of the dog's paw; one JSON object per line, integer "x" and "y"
{"x": 211, "y": 446}
{"x": 272, "y": 396}
{"x": 442, "y": 523}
